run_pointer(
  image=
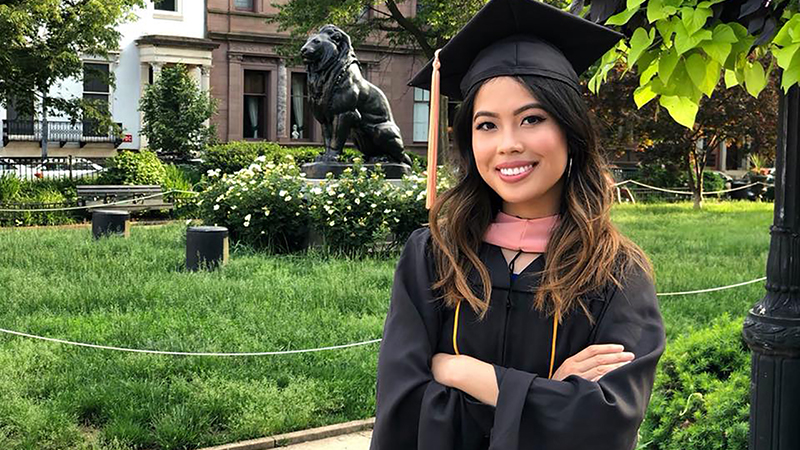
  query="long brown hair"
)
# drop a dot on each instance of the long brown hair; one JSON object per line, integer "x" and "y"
{"x": 585, "y": 250}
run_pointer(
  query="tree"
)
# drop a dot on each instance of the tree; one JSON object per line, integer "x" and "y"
{"x": 175, "y": 113}
{"x": 728, "y": 115}
{"x": 682, "y": 48}
{"x": 43, "y": 42}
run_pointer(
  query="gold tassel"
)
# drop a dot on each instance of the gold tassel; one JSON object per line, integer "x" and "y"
{"x": 433, "y": 132}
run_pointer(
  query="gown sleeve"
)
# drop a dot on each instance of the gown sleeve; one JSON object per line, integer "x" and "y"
{"x": 413, "y": 410}
{"x": 538, "y": 413}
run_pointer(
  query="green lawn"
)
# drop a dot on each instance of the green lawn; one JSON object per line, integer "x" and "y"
{"x": 134, "y": 293}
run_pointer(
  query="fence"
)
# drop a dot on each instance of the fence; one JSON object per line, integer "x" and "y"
{"x": 69, "y": 167}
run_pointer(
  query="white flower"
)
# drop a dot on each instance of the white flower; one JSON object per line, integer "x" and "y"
{"x": 340, "y": 195}
{"x": 261, "y": 158}
{"x": 373, "y": 205}
{"x": 316, "y": 191}
{"x": 362, "y": 195}
{"x": 409, "y": 193}
{"x": 266, "y": 212}
{"x": 216, "y": 207}
{"x": 297, "y": 213}
{"x": 233, "y": 206}
{"x": 363, "y": 169}
{"x": 246, "y": 224}
{"x": 282, "y": 193}
{"x": 421, "y": 195}
{"x": 387, "y": 211}
{"x": 247, "y": 218}
{"x": 288, "y": 198}
{"x": 211, "y": 173}
{"x": 358, "y": 202}
{"x": 332, "y": 223}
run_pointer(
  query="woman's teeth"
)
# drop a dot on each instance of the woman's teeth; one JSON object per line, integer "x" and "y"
{"x": 516, "y": 170}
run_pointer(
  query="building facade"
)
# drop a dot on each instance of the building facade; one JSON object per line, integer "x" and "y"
{"x": 261, "y": 97}
{"x": 166, "y": 33}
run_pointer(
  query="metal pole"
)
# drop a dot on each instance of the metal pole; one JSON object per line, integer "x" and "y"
{"x": 772, "y": 327}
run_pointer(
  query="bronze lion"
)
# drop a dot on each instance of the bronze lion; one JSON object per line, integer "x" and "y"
{"x": 345, "y": 103}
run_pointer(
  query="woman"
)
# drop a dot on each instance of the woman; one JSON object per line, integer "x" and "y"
{"x": 521, "y": 318}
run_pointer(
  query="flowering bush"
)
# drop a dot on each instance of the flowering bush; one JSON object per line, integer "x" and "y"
{"x": 351, "y": 212}
{"x": 263, "y": 205}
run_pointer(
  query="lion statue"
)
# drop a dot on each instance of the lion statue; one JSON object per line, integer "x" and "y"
{"x": 345, "y": 103}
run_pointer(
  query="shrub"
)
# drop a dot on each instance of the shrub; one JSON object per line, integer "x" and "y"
{"x": 351, "y": 212}
{"x": 175, "y": 179}
{"x": 701, "y": 395}
{"x": 659, "y": 176}
{"x": 39, "y": 198}
{"x": 130, "y": 167}
{"x": 10, "y": 187}
{"x": 234, "y": 156}
{"x": 262, "y": 205}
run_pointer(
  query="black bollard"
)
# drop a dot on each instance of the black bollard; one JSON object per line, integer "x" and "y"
{"x": 206, "y": 247}
{"x": 110, "y": 222}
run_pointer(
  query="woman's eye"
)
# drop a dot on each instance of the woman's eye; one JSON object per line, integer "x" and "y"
{"x": 533, "y": 119}
{"x": 485, "y": 126}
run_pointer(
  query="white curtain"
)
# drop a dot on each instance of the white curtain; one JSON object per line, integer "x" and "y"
{"x": 252, "y": 110}
{"x": 298, "y": 87}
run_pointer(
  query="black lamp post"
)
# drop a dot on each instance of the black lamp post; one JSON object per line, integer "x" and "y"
{"x": 772, "y": 327}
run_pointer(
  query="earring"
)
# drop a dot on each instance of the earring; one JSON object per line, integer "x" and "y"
{"x": 569, "y": 167}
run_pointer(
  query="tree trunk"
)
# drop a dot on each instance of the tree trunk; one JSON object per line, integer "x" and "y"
{"x": 694, "y": 184}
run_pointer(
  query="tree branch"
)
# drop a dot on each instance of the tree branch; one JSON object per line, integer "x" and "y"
{"x": 410, "y": 27}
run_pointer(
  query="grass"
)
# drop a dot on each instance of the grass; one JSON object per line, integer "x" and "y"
{"x": 134, "y": 293}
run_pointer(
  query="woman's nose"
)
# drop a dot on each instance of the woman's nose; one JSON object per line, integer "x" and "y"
{"x": 509, "y": 141}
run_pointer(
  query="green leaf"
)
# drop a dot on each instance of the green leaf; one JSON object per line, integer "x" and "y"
{"x": 699, "y": 19}
{"x": 656, "y": 10}
{"x": 634, "y": 4}
{"x": 787, "y": 32}
{"x": 685, "y": 41}
{"x": 724, "y": 33}
{"x": 666, "y": 28}
{"x": 718, "y": 51}
{"x": 623, "y": 17}
{"x": 640, "y": 41}
{"x": 730, "y": 79}
{"x": 754, "y": 78}
{"x": 643, "y": 94}
{"x": 711, "y": 80}
{"x": 785, "y": 55}
{"x": 682, "y": 109}
{"x": 791, "y": 73}
{"x": 696, "y": 67}
{"x": 666, "y": 65}
{"x": 648, "y": 73}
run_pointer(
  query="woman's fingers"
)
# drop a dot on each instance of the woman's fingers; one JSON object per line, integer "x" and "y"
{"x": 599, "y": 371}
{"x": 602, "y": 359}
{"x": 596, "y": 350}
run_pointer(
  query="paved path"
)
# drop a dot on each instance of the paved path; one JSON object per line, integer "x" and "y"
{"x": 354, "y": 441}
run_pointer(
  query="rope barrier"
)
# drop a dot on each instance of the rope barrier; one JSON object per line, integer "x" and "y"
{"x": 291, "y": 352}
{"x": 104, "y": 205}
{"x": 712, "y": 289}
{"x": 686, "y": 192}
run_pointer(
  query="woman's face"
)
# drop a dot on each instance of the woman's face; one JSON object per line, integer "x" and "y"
{"x": 520, "y": 150}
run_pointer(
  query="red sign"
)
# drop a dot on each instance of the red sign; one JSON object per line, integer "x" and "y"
{"x": 127, "y": 138}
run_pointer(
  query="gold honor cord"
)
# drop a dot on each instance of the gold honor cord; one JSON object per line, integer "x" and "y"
{"x": 433, "y": 131}
{"x": 552, "y": 349}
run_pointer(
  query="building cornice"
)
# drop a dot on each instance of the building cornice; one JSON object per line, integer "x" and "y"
{"x": 177, "y": 41}
{"x": 277, "y": 39}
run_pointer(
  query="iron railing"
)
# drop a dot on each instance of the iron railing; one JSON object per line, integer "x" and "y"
{"x": 68, "y": 167}
{"x": 61, "y": 132}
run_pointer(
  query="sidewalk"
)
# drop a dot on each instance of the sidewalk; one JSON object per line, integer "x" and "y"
{"x": 354, "y": 441}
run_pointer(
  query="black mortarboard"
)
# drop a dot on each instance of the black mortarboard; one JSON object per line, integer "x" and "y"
{"x": 510, "y": 37}
{"x": 518, "y": 37}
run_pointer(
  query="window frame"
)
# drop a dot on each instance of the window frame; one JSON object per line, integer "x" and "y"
{"x": 252, "y": 7}
{"x": 97, "y": 93}
{"x": 263, "y": 110}
{"x": 167, "y": 14}
{"x": 421, "y": 97}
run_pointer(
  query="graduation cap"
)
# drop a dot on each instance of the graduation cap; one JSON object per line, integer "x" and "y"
{"x": 509, "y": 37}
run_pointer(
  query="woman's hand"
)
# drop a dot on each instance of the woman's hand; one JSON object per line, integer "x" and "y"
{"x": 594, "y": 361}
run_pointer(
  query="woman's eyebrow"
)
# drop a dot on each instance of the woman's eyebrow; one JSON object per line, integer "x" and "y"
{"x": 516, "y": 111}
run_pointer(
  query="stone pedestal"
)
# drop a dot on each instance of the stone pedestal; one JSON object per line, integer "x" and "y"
{"x": 206, "y": 247}
{"x": 318, "y": 170}
{"x": 110, "y": 222}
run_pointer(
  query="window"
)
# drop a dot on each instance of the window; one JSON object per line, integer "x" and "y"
{"x": 96, "y": 91}
{"x": 421, "y": 113}
{"x": 166, "y": 5}
{"x": 243, "y": 5}
{"x": 300, "y": 127}
{"x": 19, "y": 122}
{"x": 255, "y": 104}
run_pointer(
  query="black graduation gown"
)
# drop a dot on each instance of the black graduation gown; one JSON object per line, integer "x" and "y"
{"x": 532, "y": 412}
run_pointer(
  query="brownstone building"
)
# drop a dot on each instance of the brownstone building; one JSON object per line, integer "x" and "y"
{"x": 263, "y": 98}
